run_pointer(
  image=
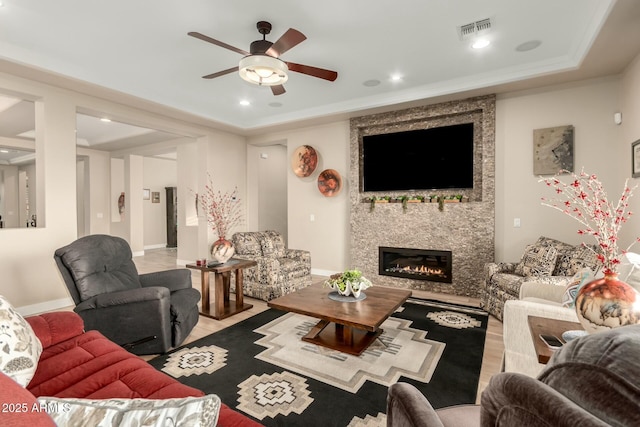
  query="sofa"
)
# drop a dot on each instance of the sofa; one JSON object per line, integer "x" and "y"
{"x": 553, "y": 302}
{"x": 545, "y": 261}
{"x": 81, "y": 376}
{"x": 536, "y": 299}
{"x": 591, "y": 381}
{"x": 279, "y": 270}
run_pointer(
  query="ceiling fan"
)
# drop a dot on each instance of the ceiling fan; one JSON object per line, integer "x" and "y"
{"x": 262, "y": 64}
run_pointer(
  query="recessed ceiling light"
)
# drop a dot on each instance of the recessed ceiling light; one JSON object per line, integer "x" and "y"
{"x": 530, "y": 45}
{"x": 371, "y": 83}
{"x": 4, "y": 151}
{"x": 275, "y": 104}
{"x": 396, "y": 77}
{"x": 105, "y": 119}
{"x": 245, "y": 103}
{"x": 480, "y": 43}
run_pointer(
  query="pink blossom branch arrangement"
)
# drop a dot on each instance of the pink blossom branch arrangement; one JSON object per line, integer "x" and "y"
{"x": 584, "y": 199}
{"x": 223, "y": 209}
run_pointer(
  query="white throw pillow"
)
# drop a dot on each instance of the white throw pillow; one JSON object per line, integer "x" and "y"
{"x": 581, "y": 278}
{"x": 20, "y": 348}
{"x": 629, "y": 270}
{"x": 186, "y": 411}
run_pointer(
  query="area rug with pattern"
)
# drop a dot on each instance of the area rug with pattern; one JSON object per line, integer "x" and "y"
{"x": 263, "y": 369}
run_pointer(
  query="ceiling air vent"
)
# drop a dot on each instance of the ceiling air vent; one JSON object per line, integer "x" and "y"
{"x": 474, "y": 29}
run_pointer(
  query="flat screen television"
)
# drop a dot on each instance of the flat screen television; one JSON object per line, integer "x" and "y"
{"x": 424, "y": 159}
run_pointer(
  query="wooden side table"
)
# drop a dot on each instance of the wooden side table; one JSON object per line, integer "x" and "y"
{"x": 544, "y": 325}
{"x": 223, "y": 307}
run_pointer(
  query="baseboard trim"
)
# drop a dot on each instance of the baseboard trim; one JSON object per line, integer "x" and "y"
{"x": 158, "y": 246}
{"x": 29, "y": 310}
{"x": 183, "y": 263}
{"x": 319, "y": 272}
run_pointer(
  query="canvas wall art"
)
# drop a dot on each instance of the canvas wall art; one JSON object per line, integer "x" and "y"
{"x": 552, "y": 150}
{"x": 635, "y": 159}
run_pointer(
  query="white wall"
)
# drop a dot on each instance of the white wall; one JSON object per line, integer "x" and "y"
{"x": 589, "y": 107}
{"x": 9, "y": 204}
{"x": 29, "y": 275}
{"x": 272, "y": 192}
{"x": 630, "y": 132}
{"x": 99, "y": 212}
{"x": 327, "y": 236}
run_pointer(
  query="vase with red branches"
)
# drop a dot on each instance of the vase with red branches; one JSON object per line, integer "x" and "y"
{"x": 223, "y": 211}
{"x": 607, "y": 302}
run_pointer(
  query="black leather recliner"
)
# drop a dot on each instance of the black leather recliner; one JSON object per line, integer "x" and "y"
{"x": 146, "y": 313}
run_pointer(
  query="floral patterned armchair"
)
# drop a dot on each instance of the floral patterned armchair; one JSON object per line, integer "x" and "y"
{"x": 279, "y": 271}
{"x": 545, "y": 261}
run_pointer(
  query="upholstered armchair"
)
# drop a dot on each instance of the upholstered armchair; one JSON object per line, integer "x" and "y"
{"x": 146, "y": 313}
{"x": 545, "y": 261}
{"x": 591, "y": 381}
{"x": 279, "y": 270}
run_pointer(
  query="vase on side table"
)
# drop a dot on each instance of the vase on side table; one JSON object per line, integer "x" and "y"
{"x": 222, "y": 250}
{"x": 607, "y": 303}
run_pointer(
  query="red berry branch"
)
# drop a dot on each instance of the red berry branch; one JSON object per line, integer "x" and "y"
{"x": 585, "y": 200}
{"x": 223, "y": 209}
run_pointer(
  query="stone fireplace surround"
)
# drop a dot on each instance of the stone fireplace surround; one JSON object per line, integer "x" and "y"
{"x": 466, "y": 229}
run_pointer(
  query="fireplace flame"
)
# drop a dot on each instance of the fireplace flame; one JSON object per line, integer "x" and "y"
{"x": 422, "y": 269}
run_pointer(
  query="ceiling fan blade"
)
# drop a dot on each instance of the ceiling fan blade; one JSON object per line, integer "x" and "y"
{"x": 288, "y": 40}
{"x": 220, "y": 73}
{"x": 217, "y": 42}
{"x": 321, "y": 73}
{"x": 278, "y": 90}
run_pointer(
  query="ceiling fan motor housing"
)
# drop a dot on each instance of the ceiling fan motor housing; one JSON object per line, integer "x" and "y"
{"x": 259, "y": 47}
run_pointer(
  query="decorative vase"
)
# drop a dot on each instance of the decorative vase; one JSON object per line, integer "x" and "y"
{"x": 352, "y": 288}
{"x": 607, "y": 303}
{"x": 222, "y": 250}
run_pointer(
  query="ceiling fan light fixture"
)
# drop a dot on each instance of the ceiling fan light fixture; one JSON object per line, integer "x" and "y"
{"x": 263, "y": 70}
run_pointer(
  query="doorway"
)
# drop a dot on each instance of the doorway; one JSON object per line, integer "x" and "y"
{"x": 272, "y": 189}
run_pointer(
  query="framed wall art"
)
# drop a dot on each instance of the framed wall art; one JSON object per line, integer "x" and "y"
{"x": 635, "y": 159}
{"x": 553, "y": 150}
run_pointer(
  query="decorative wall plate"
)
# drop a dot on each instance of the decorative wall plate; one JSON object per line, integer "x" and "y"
{"x": 304, "y": 161}
{"x": 329, "y": 182}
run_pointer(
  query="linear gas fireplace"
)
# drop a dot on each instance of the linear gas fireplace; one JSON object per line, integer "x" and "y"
{"x": 418, "y": 264}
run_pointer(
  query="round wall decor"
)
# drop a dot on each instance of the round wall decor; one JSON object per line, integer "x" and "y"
{"x": 329, "y": 182}
{"x": 304, "y": 161}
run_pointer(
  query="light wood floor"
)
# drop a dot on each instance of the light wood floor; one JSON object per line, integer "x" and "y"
{"x": 163, "y": 259}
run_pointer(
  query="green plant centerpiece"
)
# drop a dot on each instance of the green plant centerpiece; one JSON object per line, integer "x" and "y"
{"x": 349, "y": 282}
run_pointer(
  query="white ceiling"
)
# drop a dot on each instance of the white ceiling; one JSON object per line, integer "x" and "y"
{"x": 141, "y": 48}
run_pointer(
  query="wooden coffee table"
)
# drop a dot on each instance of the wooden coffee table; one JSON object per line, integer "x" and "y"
{"x": 349, "y": 327}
